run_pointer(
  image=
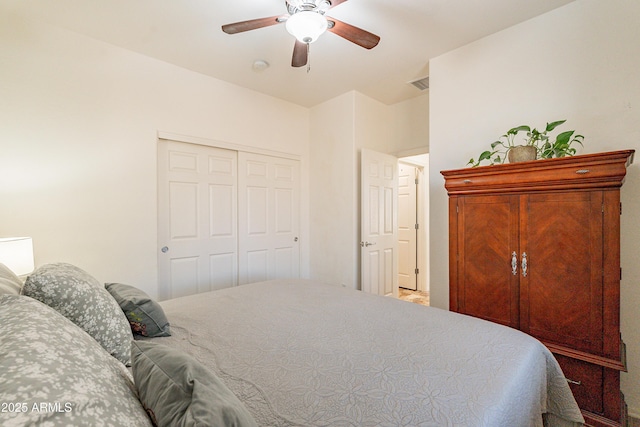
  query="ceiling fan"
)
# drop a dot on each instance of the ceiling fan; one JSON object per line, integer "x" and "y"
{"x": 306, "y": 21}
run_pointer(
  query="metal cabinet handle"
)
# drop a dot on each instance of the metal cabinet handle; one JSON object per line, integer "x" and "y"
{"x": 573, "y": 382}
{"x": 514, "y": 263}
{"x": 524, "y": 264}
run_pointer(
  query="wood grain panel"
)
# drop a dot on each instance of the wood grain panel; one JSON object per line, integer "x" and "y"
{"x": 562, "y": 236}
{"x": 489, "y": 288}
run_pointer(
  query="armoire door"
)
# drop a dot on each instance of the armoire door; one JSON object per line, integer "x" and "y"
{"x": 487, "y": 248}
{"x": 562, "y": 291}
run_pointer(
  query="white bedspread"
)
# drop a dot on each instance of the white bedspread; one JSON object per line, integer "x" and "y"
{"x": 307, "y": 354}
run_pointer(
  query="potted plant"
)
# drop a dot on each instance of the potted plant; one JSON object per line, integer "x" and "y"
{"x": 535, "y": 145}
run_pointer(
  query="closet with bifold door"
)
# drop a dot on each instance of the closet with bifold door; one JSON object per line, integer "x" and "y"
{"x": 536, "y": 246}
{"x": 226, "y": 217}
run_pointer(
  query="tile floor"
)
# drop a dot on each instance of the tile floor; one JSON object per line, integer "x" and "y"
{"x": 417, "y": 297}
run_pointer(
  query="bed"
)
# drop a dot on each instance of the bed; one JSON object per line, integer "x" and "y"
{"x": 303, "y": 353}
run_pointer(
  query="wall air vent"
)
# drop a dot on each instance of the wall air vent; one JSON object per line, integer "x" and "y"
{"x": 421, "y": 84}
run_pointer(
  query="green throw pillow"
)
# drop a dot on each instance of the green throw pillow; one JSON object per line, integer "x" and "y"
{"x": 178, "y": 391}
{"x": 145, "y": 315}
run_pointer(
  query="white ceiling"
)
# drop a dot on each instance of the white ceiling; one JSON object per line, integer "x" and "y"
{"x": 187, "y": 33}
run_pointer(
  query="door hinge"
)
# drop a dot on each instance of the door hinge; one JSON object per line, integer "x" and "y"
{"x": 417, "y": 181}
{"x": 417, "y": 226}
{"x": 621, "y": 208}
{"x": 417, "y": 270}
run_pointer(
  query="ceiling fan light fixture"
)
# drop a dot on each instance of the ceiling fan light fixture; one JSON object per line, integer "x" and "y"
{"x": 307, "y": 26}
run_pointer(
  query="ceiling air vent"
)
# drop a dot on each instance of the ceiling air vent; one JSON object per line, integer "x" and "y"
{"x": 422, "y": 83}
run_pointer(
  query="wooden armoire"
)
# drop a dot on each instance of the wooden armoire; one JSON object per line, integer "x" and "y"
{"x": 536, "y": 246}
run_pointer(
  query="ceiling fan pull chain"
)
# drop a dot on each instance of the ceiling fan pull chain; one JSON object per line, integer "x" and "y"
{"x": 308, "y": 58}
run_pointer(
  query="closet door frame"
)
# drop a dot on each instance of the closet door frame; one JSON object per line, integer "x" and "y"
{"x": 165, "y": 290}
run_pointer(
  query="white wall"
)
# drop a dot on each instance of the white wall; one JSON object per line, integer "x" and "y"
{"x": 333, "y": 202}
{"x": 412, "y": 125}
{"x": 579, "y": 63}
{"x": 78, "y": 133}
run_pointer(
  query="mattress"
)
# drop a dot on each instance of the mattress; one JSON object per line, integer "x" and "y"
{"x": 303, "y": 353}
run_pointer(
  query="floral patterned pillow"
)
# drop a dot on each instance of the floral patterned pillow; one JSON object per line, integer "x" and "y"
{"x": 54, "y": 374}
{"x": 82, "y": 299}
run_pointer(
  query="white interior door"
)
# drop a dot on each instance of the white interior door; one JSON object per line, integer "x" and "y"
{"x": 379, "y": 223}
{"x": 269, "y": 206}
{"x": 407, "y": 227}
{"x": 197, "y": 218}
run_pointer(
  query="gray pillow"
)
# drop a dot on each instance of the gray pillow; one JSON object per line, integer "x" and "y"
{"x": 52, "y": 373}
{"x": 178, "y": 391}
{"x": 146, "y": 317}
{"x": 83, "y": 300}
{"x": 9, "y": 282}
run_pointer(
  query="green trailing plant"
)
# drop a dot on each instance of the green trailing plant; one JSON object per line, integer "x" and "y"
{"x": 546, "y": 146}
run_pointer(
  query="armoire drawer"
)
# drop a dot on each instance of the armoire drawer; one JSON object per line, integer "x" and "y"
{"x": 586, "y": 381}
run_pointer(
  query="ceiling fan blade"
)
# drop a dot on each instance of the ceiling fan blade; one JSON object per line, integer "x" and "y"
{"x": 353, "y": 34}
{"x": 334, "y": 3}
{"x": 253, "y": 24}
{"x": 300, "y": 54}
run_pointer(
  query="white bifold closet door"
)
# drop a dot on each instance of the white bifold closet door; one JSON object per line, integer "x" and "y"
{"x": 224, "y": 218}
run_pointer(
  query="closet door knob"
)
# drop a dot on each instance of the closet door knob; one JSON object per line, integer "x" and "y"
{"x": 164, "y": 249}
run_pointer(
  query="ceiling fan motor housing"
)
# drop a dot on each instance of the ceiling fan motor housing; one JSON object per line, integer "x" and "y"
{"x": 318, "y": 6}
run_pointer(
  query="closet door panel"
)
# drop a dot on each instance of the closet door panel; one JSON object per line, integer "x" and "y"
{"x": 197, "y": 218}
{"x": 268, "y": 217}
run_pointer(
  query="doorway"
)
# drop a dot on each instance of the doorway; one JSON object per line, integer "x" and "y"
{"x": 413, "y": 227}
{"x": 379, "y": 230}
